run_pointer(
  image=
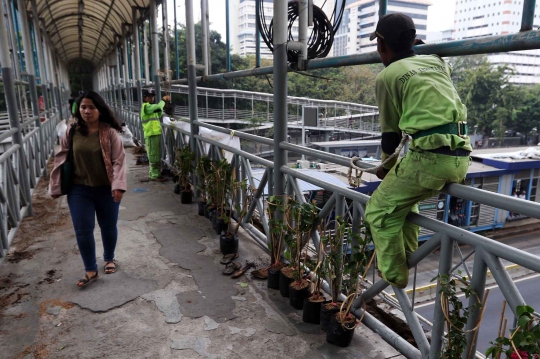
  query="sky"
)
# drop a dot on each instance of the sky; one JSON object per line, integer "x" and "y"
{"x": 440, "y": 14}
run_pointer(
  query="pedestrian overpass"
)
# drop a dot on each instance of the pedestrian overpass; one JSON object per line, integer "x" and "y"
{"x": 44, "y": 43}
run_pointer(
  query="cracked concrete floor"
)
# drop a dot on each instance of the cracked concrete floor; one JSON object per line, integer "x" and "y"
{"x": 167, "y": 300}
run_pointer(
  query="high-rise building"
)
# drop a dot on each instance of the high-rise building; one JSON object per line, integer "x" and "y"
{"x": 478, "y": 18}
{"x": 242, "y": 24}
{"x": 360, "y": 19}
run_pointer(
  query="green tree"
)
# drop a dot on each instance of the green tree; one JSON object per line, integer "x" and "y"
{"x": 527, "y": 115}
{"x": 484, "y": 89}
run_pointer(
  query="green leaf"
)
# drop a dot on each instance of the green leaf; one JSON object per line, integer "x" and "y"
{"x": 523, "y": 321}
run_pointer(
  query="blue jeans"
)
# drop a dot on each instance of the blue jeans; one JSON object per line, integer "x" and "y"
{"x": 85, "y": 204}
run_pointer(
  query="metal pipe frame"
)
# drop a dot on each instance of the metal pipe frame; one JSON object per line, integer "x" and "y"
{"x": 437, "y": 332}
{"x": 280, "y": 91}
{"x": 383, "y": 7}
{"x": 478, "y": 284}
{"x": 227, "y": 35}
{"x": 177, "y": 61}
{"x": 137, "y": 67}
{"x": 527, "y": 18}
{"x": 31, "y": 71}
{"x": 528, "y": 40}
{"x": 155, "y": 47}
{"x": 257, "y": 34}
{"x": 412, "y": 320}
{"x": 205, "y": 35}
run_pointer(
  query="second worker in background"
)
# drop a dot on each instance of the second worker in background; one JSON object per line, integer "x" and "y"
{"x": 151, "y": 122}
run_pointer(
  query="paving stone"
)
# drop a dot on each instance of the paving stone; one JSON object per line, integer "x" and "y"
{"x": 167, "y": 303}
{"x": 210, "y": 323}
{"x": 197, "y": 344}
{"x": 54, "y": 310}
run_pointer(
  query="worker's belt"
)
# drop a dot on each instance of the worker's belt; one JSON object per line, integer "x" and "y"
{"x": 150, "y": 119}
{"x": 458, "y": 128}
{"x": 445, "y": 150}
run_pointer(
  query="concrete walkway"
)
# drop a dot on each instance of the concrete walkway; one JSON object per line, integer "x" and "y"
{"x": 168, "y": 298}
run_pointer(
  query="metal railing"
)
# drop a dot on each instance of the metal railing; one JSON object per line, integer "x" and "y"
{"x": 351, "y": 205}
{"x": 15, "y": 198}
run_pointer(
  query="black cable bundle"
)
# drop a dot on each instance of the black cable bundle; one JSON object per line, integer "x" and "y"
{"x": 322, "y": 35}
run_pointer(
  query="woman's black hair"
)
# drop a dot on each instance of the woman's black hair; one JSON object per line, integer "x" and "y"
{"x": 105, "y": 113}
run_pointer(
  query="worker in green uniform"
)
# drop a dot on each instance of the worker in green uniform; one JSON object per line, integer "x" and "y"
{"x": 150, "y": 118}
{"x": 415, "y": 95}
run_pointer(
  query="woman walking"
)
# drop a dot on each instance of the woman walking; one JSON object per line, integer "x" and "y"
{"x": 99, "y": 180}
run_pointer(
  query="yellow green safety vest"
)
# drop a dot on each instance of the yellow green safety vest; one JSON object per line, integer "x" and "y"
{"x": 150, "y": 116}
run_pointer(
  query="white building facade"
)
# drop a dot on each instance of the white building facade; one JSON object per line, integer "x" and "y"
{"x": 479, "y": 18}
{"x": 360, "y": 19}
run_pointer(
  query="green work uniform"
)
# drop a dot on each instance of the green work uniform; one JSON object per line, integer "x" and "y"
{"x": 150, "y": 118}
{"x": 74, "y": 108}
{"x": 414, "y": 93}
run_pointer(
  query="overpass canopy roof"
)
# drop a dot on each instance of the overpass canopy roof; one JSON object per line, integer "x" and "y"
{"x": 85, "y": 29}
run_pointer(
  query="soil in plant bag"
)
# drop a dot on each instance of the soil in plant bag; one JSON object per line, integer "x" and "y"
{"x": 312, "y": 309}
{"x": 327, "y": 310}
{"x": 297, "y": 293}
{"x": 185, "y": 197}
{"x": 176, "y": 189}
{"x": 213, "y": 218}
{"x": 285, "y": 280}
{"x": 220, "y": 226}
{"x": 228, "y": 245}
{"x": 341, "y": 333}
{"x": 202, "y": 206}
{"x": 274, "y": 272}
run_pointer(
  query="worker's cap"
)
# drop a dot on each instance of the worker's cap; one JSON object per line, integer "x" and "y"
{"x": 148, "y": 92}
{"x": 391, "y": 26}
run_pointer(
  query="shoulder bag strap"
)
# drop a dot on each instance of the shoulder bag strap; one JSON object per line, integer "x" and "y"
{"x": 71, "y": 134}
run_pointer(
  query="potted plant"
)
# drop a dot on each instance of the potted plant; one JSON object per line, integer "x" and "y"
{"x": 211, "y": 192}
{"x": 228, "y": 241}
{"x": 342, "y": 324}
{"x": 334, "y": 260}
{"x": 278, "y": 230}
{"x": 221, "y": 182}
{"x": 183, "y": 165}
{"x": 302, "y": 217}
{"x": 315, "y": 299}
{"x": 203, "y": 169}
{"x": 523, "y": 340}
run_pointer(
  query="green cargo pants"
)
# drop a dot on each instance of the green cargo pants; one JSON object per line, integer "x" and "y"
{"x": 153, "y": 148}
{"x": 416, "y": 177}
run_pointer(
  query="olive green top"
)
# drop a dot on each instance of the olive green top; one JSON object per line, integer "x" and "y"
{"x": 88, "y": 159}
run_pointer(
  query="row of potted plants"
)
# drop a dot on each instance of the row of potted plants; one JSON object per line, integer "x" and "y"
{"x": 291, "y": 225}
{"x": 218, "y": 186}
{"x": 341, "y": 259}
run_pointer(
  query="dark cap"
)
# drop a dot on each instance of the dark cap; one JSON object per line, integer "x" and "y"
{"x": 148, "y": 92}
{"x": 391, "y": 26}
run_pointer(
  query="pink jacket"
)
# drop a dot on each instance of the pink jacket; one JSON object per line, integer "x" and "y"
{"x": 113, "y": 155}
